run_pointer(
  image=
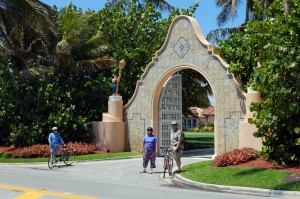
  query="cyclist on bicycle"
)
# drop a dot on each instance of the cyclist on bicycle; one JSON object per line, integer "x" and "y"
{"x": 55, "y": 140}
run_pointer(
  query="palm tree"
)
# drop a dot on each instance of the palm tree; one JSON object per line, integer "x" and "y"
{"x": 229, "y": 12}
{"x": 161, "y": 4}
{"x": 27, "y": 31}
{"x": 229, "y": 9}
{"x": 38, "y": 39}
{"x": 80, "y": 47}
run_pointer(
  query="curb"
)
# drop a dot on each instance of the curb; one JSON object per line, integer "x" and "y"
{"x": 285, "y": 194}
{"x": 239, "y": 190}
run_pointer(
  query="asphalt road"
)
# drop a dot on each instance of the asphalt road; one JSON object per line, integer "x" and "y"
{"x": 108, "y": 179}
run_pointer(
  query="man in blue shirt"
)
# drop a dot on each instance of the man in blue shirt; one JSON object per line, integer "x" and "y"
{"x": 150, "y": 149}
{"x": 55, "y": 140}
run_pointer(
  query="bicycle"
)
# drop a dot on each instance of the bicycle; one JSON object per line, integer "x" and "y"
{"x": 168, "y": 161}
{"x": 65, "y": 155}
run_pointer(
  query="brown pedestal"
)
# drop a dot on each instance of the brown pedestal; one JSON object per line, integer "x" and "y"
{"x": 110, "y": 132}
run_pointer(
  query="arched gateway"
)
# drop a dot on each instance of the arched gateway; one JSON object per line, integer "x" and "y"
{"x": 186, "y": 48}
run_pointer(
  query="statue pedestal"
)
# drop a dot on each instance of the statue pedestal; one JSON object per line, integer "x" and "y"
{"x": 246, "y": 130}
{"x": 110, "y": 132}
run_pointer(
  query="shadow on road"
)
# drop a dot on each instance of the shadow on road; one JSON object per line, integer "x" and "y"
{"x": 199, "y": 153}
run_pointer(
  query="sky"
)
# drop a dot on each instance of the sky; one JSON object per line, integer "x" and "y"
{"x": 206, "y": 12}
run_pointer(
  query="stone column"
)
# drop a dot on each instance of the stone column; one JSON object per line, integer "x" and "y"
{"x": 246, "y": 130}
{"x": 110, "y": 133}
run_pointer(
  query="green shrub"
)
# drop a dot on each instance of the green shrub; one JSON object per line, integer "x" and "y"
{"x": 207, "y": 129}
{"x": 200, "y": 124}
{"x": 209, "y": 124}
{"x": 5, "y": 155}
{"x": 195, "y": 129}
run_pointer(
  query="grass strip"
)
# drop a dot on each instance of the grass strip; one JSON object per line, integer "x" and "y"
{"x": 205, "y": 172}
{"x": 198, "y": 140}
{"x": 77, "y": 157}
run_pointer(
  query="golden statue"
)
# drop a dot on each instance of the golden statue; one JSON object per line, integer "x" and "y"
{"x": 117, "y": 78}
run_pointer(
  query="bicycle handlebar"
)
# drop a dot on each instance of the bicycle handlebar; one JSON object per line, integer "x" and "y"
{"x": 166, "y": 149}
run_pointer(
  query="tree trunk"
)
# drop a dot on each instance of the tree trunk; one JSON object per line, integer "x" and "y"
{"x": 247, "y": 11}
{"x": 287, "y": 7}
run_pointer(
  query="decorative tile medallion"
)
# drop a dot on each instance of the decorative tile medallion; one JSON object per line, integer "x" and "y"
{"x": 181, "y": 47}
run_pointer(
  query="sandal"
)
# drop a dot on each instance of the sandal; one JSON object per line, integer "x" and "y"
{"x": 177, "y": 171}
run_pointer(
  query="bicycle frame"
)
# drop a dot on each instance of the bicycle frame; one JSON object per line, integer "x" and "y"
{"x": 168, "y": 161}
{"x": 66, "y": 156}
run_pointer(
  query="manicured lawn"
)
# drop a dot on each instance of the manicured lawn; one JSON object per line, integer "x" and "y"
{"x": 5, "y": 159}
{"x": 238, "y": 176}
{"x": 198, "y": 140}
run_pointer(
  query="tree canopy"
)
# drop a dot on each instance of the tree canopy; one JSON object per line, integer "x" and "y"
{"x": 266, "y": 55}
{"x": 67, "y": 82}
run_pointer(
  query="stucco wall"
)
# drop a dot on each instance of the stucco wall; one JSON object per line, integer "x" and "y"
{"x": 186, "y": 48}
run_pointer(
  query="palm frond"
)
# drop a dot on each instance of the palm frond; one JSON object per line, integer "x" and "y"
{"x": 93, "y": 65}
{"x": 93, "y": 47}
{"x": 162, "y": 5}
{"x": 31, "y": 73}
{"x": 224, "y": 15}
{"x": 43, "y": 13}
{"x": 81, "y": 48}
{"x": 221, "y": 33}
{"x": 28, "y": 28}
{"x": 228, "y": 10}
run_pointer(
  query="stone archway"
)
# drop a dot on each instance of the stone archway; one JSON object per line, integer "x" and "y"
{"x": 186, "y": 48}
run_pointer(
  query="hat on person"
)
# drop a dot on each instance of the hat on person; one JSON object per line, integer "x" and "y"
{"x": 149, "y": 129}
{"x": 54, "y": 128}
{"x": 174, "y": 122}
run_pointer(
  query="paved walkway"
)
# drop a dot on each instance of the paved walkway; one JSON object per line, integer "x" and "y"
{"x": 180, "y": 181}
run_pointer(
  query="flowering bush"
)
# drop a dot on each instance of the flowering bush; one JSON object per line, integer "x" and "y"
{"x": 235, "y": 157}
{"x": 42, "y": 150}
{"x": 80, "y": 148}
{"x": 38, "y": 150}
{"x": 6, "y": 148}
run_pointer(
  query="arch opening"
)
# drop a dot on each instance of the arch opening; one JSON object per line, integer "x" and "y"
{"x": 186, "y": 71}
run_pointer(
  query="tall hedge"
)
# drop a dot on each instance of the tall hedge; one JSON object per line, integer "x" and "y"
{"x": 266, "y": 55}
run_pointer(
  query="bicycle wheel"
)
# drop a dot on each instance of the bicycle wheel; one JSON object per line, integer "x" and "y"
{"x": 51, "y": 161}
{"x": 165, "y": 166}
{"x": 170, "y": 166}
{"x": 68, "y": 157}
